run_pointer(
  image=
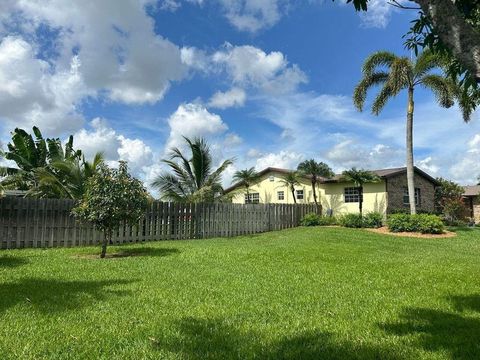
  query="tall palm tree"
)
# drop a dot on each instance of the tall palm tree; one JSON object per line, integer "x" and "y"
{"x": 395, "y": 74}
{"x": 191, "y": 179}
{"x": 359, "y": 177}
{"x": 314, "y": 170}
{"x": 247, "y": 177}
{"x": 291, "y": 180}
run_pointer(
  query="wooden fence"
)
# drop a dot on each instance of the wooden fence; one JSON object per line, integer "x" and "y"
{"x": 41, "y": 223}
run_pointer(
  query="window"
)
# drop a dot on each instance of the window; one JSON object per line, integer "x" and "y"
{"x": 352, "y": 194}
{"x": 281, "y": 195}
{"x": 299, "y": 194}
{"x": 406, "y": 200}
{"x": 271, "y": 178}
{"x": 253, "y": 198}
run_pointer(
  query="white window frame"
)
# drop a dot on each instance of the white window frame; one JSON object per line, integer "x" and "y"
{"x": 351, "y": 194}
{"x": 298, "y": 195}
{"x": 280, "y": 195}
{"x": 252, "y": 198}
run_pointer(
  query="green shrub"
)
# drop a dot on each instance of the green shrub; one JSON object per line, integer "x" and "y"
{"x": 351, "y": 220}
{"x": 424, "y": 223}
{"x": 310, "y": 219}
{"x": 373, "y": 220}
{"x": 430, "y": 224}
{"x": 328, "y": 220}
{"x": 313, "y": 219}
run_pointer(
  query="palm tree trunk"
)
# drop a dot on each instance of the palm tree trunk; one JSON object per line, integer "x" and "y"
{"x": 360, "y": 200}
{"x": 410, "y": 169}
{"x": 248, "y": 196}
{"x": 293, "y": 194}
{"x": 314, "y": 193}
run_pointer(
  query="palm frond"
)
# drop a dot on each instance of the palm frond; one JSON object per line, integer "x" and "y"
{"x": 385, "y": 94}
{"x": 441, "y": 87}
{"x": 427, "y": 61}
{"x": 368, "y": 81}
{"x": 378, "y": 59}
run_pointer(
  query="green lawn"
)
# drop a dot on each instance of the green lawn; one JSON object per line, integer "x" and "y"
{"x": 306, "y": 293}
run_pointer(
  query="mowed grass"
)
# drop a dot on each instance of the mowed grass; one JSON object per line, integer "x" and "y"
{"x": 306, "y": 293}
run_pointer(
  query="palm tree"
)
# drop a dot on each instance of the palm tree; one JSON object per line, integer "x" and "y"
{"x": 315, "y": 170}
{"x": 290, "y": 180}
{"x": 29, "y": 154}
{"x": 247, "y": 177}
{"x": 395, "y": 74}
{"x": 359, "y": 178}
{"x": 44, "y": 168}
{"x": 191, "y": 179}
{"x": 66, "y": 178}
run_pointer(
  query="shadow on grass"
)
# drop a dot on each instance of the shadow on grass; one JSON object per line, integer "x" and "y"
{"x": 437, "y": 330}
{"x": 217, "y": 339}
{"x": 115, "y": 253}
{"x": 51, "y": 296}
{"x": 470, "y": 302}
{"x": 10, "y": 261}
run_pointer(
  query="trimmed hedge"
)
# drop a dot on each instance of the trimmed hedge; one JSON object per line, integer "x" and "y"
{"x": 424, "y": 223}
{"x": 313, "y": 219}
{"x": 352, "y": 221}
{"x": 370, "y": 220}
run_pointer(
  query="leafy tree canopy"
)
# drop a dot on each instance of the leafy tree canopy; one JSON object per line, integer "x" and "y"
{"x": 112, "y": 197}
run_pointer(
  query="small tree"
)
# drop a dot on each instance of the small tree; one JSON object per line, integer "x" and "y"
{"x": 359, "y": 178}
{"x": 112, "y": 197}
{"x": 449, "y": 200}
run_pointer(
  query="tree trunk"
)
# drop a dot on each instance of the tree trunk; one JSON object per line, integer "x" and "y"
{"x": 455, "y": 33}
{"x": 360, "y": 200}
{"x": 293, "y": 194}
{"x": 107, "y": 238}
{"x": 248, "y": 196}
{"x": 314, "y": 192}
{"x": 409, "y": 150}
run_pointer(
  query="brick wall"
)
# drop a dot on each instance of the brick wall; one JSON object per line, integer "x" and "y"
{"x": 395, "y": 188}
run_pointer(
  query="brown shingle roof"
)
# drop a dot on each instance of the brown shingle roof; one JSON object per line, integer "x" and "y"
{"x": 472, "y": 190}
{"x": 383, "y": 173}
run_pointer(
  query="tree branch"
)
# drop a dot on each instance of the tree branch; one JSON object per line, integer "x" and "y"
{"x": 401, "y": 6}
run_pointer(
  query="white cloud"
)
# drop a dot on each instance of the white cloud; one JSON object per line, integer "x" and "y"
{"x": 466, "y": 167}
{"x": 103, "y": 138}
{"x": 121, "y": 58}
{"x": 254, "y": 15}
{"x": 245, "y": 15}
{"x": 251, "y": 66}
{"x": 379, "y": 13}
{"x": 31, "y": 95}
{"x": 193, "y": 120}
{"x": 232, "y": 139}
{"x": 234, "y": 97}
{"x": 351, "y": 153}
{"x": 282, "y": 159}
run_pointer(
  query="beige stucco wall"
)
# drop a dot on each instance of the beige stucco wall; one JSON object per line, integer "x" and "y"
{"x": 331, "y": 195}
{"x": 268, "y": 191}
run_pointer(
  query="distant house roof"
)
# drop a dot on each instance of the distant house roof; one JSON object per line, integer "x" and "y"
{"x": 471, "y": 190}
{"x": 383, "y": 173}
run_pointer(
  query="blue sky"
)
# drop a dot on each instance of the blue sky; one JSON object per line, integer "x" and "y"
{"x": 268, "y": 82}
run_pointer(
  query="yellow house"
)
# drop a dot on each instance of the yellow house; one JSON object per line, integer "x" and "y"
{"x": 339, "y": 197}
